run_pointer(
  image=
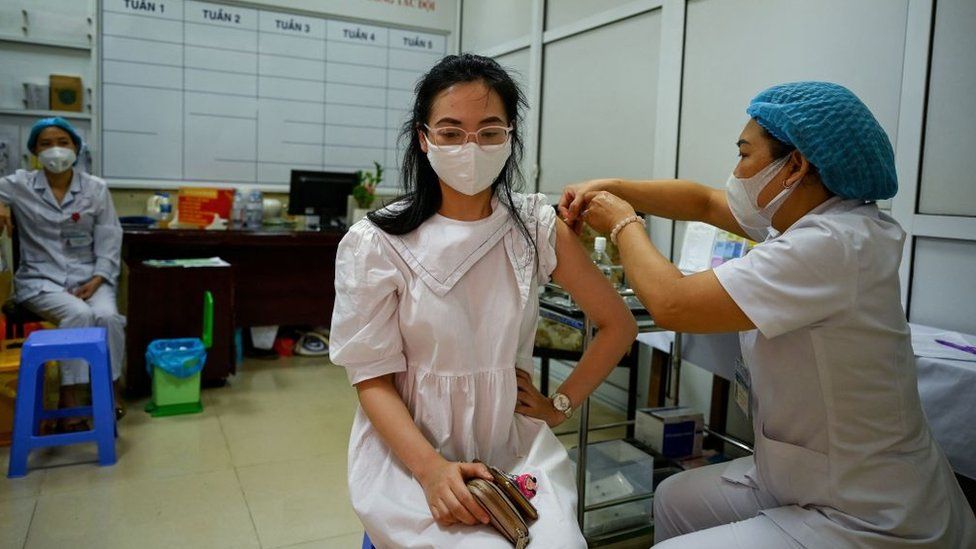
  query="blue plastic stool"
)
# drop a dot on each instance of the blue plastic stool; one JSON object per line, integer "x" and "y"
{"x": 89, "y": 344}
{"x": 366, "y": 543}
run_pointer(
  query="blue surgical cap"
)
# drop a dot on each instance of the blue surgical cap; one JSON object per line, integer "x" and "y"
{"x": 835, "y": 131}
{"x": 53, "y": 122}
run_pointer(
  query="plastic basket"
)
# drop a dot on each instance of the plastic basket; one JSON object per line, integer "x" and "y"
{"x": 616, "y": 469}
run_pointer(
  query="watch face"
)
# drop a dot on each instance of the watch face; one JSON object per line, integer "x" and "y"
{"x": 561, "y": 402}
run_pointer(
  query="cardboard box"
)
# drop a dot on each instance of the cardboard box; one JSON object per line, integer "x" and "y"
{"x": 198, "y": 205}
{"x": 674, "y": 432}
{"x": 66, "y": 93}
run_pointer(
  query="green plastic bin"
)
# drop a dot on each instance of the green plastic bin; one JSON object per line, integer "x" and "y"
{"x": 175, "y": 390}
{"x": 180, "y": 394}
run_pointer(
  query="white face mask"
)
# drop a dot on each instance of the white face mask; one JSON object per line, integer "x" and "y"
{"x": 469, "y": 169}
{"x": 57, "y": 159}
{"x": 743, "y": 198}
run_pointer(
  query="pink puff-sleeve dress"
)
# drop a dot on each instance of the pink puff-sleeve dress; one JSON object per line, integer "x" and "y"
{"x": 450, "y": 310}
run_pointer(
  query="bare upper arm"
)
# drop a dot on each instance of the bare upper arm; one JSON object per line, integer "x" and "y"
{"x": 577, "y": 274}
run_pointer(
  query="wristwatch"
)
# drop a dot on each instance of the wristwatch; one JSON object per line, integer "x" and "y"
{"x": 562, "y": 404}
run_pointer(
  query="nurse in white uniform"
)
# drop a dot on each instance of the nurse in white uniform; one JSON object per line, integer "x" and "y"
{"x": 70, "y": 249}
{"x": 435, "y": 319}
{"x": 844, "y": 456}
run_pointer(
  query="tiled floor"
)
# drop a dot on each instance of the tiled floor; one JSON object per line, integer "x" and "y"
{"x": 263, "y": 466}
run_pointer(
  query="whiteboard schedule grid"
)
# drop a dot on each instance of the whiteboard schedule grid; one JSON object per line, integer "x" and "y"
{"x": 203, "y": 92}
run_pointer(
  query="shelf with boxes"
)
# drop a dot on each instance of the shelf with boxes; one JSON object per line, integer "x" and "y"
{"x": 49, "y": 43}
{"x": 38, "y": 113}
{"x": 49, "y": 50}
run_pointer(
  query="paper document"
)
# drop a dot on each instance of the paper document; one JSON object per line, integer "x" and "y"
{"x": 187, "y": 263}
{"x": 696, "y": 250}
{"x": 925, "y": 345}
{"x": 706, "y": 247}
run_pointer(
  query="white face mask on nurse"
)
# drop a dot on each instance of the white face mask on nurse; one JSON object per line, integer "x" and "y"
{"x": 762, "y": 181}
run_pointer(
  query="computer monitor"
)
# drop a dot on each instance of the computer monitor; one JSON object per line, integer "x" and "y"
{"x": 324, "y": 192}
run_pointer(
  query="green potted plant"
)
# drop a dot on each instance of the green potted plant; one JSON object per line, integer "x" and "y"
{"x": 364, "y": 193}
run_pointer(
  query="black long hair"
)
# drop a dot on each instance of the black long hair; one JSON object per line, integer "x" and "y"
{"x": 421, "y": 196}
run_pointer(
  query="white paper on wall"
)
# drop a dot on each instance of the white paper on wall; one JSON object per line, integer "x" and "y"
{"x": 9, "y": 148}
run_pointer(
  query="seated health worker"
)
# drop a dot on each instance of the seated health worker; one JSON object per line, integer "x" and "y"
{"x": 70, "y": 245}
{"x": 843, "y": 454}
{"x": 435, "y": 319}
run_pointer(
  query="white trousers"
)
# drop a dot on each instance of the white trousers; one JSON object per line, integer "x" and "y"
{"x": 67, "y": 311}
{"x": 699, "y": 508}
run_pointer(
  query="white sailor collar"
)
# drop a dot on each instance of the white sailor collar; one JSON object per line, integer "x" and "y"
{"x": 442, "y": 250}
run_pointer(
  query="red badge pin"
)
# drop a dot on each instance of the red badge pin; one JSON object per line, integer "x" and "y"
{"x": 75, "y": 217}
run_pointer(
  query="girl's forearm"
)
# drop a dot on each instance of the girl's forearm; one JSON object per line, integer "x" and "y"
{"x": 602, "y": 355}
{"x": 391, "y": 419}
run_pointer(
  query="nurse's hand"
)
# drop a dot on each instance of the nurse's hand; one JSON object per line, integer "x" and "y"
{"x": 575, "y": 198}
{"x": 605, "y": 210}
{"x": 533, "y": 403}
{"x": 88, "y": 289}
{"x": 449, "y": 500}
{"x": 6, "y": 224}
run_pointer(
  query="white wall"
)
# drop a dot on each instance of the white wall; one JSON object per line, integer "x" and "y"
{"x": 560, "y": 13}
{"x": 950, "y": 131}
{"x": 943, "y": 270}
{"x": 943, "y": 283}
{"x": 591, "y": 129}
{"x": 487, "y": 24}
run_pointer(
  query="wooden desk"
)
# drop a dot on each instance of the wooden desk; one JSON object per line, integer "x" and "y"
{"x": 168, "y": 303}
{"x": 279, "y": 277}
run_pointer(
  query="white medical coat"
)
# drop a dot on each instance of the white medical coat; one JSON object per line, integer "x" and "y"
{"x": 841, "y": 440}
{"x": 62, "y": 246}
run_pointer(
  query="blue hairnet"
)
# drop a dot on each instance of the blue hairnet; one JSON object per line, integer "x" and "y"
{"x": 56, "y": 122}
{"x": 835, "y": 131}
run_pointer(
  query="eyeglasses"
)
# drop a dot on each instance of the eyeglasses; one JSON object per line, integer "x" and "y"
{"x": 455, "y": 137}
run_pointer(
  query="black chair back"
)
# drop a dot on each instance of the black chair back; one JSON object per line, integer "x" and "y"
{"x": 16, "y": 314}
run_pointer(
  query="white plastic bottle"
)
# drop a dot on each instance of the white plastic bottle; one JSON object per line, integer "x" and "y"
{"x": 237, "y": 211}
{"x": 312, "y": 220}
{"x": 603, "y": 262}
{"x": 254, "y": 211}
{"x": 165, "y": 210}
{"x": 599, "y": 255}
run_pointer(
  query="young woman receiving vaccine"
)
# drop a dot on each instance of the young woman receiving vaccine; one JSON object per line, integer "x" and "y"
{"x": 844, "y": 457}
{"x": 435, "y": 319}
